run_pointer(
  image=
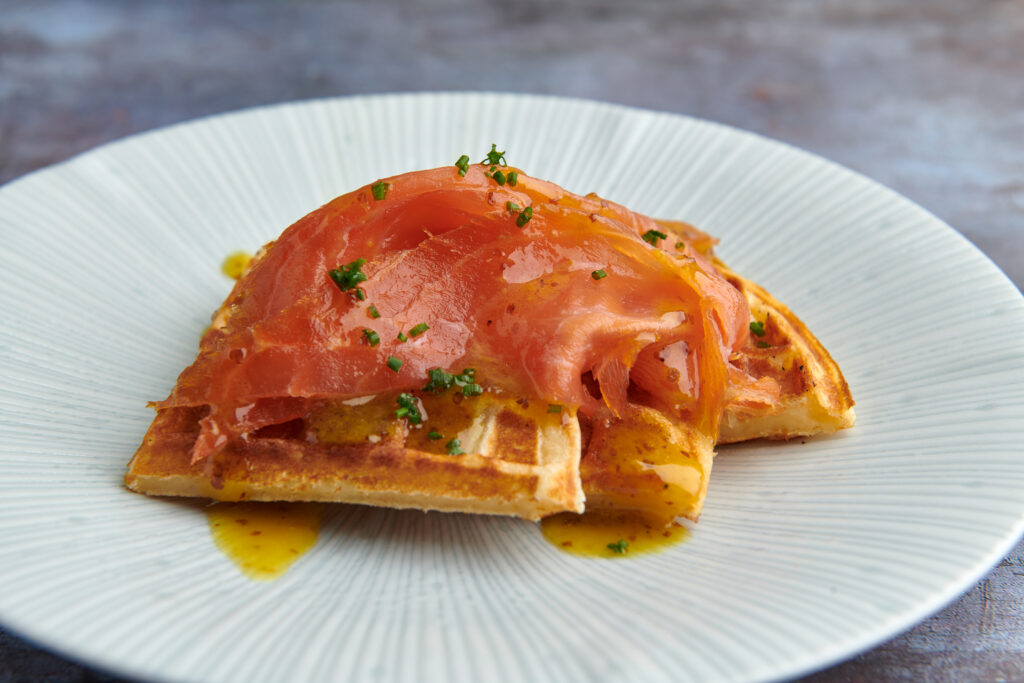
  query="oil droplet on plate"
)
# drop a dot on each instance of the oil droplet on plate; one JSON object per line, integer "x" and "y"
{"x": 264, "y": 539}
{"x": 610, "y": 533}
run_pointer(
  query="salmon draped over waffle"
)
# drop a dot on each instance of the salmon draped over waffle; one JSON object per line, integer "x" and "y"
{"x": 470, "y": 338}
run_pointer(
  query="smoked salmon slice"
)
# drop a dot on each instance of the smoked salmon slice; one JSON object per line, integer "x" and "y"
{"x": 516, "y": 300}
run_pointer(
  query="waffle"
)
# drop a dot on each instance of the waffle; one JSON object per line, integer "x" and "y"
{"x": 814, "y": 397}
{"x": 518, "y": 459}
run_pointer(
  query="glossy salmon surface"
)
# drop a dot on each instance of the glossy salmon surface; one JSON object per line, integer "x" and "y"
{"x": 571, "y": 300}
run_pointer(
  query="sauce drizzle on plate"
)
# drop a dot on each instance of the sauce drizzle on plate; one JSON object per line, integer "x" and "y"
{"x": 264, "y": 539}
{"x": 610, "y": 533}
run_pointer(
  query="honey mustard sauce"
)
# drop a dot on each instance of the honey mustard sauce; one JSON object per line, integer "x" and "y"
{"x": 610, "y": 533}
{"x": 640, "y": 477}
{"x": 264, "y": 539}
{"x": 235, "y": 264}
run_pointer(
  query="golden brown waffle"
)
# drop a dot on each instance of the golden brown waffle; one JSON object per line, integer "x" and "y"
{"x": 814, "y": 397}
{"x": 519, "y": 459}
{"x": 647, "y": 462}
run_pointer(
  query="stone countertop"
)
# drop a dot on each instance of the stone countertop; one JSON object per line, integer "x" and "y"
{"x": 927, "y": 98}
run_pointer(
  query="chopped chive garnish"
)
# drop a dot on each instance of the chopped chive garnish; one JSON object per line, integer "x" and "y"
{"x": 434, "y": 436}
{"x": 417, "y": 330}
{"x": 347, "y": 277}
{"x": 371, "y": 337}
{"x": 454, "y": 447}
{"x": 680, "y": 245}
{"x": 472, "y": 390}
{"x": 761, "y": 344}
{"x": 652, "y": 237}
{"x": 554, "y": 408}
{"x": 619, "y": 547}
{"x": 360, "y": 294}
{"x": 441, "y": 381}
{"x": 408, "y": 408}
{"x": 394, "y": 363}
{"x": 513, "y": 178}
{"x": 380, "y": 190}
{"x": 512, "y": 206}
{"x": 494, "y": 157}
{"x": 598, "y": 274}
{"x": 462, "y": 164}
{"x": 372, "y": 310}
{"x": 402, "y": 337}
{"x": 499, "y": 177}
{"x": 757, "y": 327}
{"x": 525, "y": 216}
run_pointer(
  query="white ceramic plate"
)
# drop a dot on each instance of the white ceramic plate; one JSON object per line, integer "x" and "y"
{"x": 806, "y": 554}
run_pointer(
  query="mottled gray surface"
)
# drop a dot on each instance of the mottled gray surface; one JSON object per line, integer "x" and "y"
{"x": 925, "y": 96}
